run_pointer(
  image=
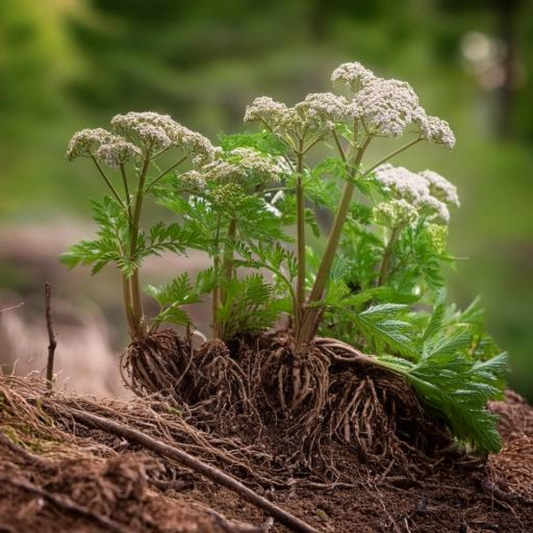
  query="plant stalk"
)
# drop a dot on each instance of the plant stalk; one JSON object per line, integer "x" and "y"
{"x": 300, "y": 238}
{"x": 139, "y": 328}
{"x": 387, "y": 256}
{"x": 227, "y": 265}
{"x": 108, "y": 182}
{"x": 312, "y": 314}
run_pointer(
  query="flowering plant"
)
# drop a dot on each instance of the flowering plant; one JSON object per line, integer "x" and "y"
{"x": 385, "y": 250}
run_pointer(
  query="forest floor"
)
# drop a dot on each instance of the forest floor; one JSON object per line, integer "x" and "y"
{"x": 62, "y": 470}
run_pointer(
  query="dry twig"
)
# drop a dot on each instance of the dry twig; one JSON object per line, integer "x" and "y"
{"x": 52, "y": 340}
{"x": 210, "y": 472}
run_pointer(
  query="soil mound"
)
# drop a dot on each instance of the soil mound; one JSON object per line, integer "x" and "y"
{"x": 59, "y": 473}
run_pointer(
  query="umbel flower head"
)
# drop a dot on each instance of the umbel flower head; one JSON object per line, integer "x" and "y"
{"x": 137, "y": 133}
{"x": 354, "y": 75}
{"x": 384, "y": 107}
{"x": 157, "y": 132}
{"x": 117, "y": 151}
{"x": 319, "y": 111}
{"x": 434, "y": 129}
{"x": 395, "y": 213}
{"x": 426, "y": 190}
{"x": 241, "y": 165}
{"x": 85, "y": 142}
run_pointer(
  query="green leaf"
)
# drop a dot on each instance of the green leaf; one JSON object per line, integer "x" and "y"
{"x": 111, "y": 244}
{"x": 264, "y": 142}
{"x": 249, "y": 306}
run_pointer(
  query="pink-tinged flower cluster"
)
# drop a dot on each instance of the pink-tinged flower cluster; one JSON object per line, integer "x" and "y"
{"x": 136, "y": 133}
{"x": 85, "y": 142}
{"x": 426, "y": 191}
{"x": 384, "y": 107}
{"x": 241, "y": 165}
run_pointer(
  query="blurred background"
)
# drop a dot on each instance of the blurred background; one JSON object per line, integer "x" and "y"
{"x": 70, "y": 64}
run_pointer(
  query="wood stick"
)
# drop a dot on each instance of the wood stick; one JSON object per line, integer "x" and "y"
{"x": 210, "y": 472}
{"x": 51, "y": 337}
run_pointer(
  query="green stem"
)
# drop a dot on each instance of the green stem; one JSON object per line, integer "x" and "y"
{"x": 311, "y": 315}
{"x": 391, "y": 155}
{"x": 127, "y": 191}
{"x": 163, "y": 174}
{"x": 227, "y": 267}
{"x": 387, "y": 256}
{"x": 339, "y": 145}
{"x": 107, "y": 180}
{"x": 138, "y": 314}
{"x": 300, "y": 238}
{"x": 126, "y": 290}
{"x": 215, "y": 297}
{"x": 227, "y": 260}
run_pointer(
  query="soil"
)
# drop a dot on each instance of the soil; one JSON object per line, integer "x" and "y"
{"x": 57, "y": 474}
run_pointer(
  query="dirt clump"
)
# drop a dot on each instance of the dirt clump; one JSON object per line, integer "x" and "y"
{"x": 58, "y": 474}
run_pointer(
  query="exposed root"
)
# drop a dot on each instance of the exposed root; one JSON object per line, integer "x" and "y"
{"x": 157, "y": 364}
{"x": 329, "y": 392}
{"x": 62, "y": 472}
{"x": 219, "y": 380}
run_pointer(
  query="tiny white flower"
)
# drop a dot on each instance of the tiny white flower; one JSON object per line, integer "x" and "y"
{"x": 434, "y": 129}
{"x": 323, "y": 109}
{"x": 85, "y": 142}
{"x": 426, "y": 191}
{"x": 353, "y": 75}
{"x": 264, "y": 108}
{"x": 117, "y": 152}
{"x": 441, "y": 188}
{"x": 386, "y": 107}
{"x": 242, "y": 164}
{"x": 158, "y": 132}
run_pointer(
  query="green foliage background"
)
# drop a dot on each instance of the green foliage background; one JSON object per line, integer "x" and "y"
{"x": 70, "y": 64}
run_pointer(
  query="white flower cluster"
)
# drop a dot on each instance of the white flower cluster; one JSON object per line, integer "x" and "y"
{"x": 151, "y": 130}
{"x": 323, "y": 109}
{"x": 318, "y": 111}
{"x": 395, "y": 213}
{"x": 84, "y": 142}
{"x": 105, "y": 146}
{"x": 241, "y": 164}
{"x": 441, "y": 188}
{"x": 117, "y": 151}
{"x": 354, "y": 75}
{"x": 157, "y": 132}
{"x": 384, "y": 107}
{"x": 265, "y": 109}
{"x": 434, "y": 129}
{"x": 425, "y": 191}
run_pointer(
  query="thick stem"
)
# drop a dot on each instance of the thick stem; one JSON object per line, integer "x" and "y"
{"x": 227, "y": 260}
{"x": 300, "y": 238}
{"x": 227, "y": 266}
{"x": 137, "y": 308}
{"x": 126, "y": 190}
{"x": 215, "y": 297}
{"x": 312, "y": 314}
{"x": 126, "y": 292}
{"x": 387, "y": 256}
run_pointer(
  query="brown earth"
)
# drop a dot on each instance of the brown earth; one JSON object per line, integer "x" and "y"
{"x": 58, "y": 474}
